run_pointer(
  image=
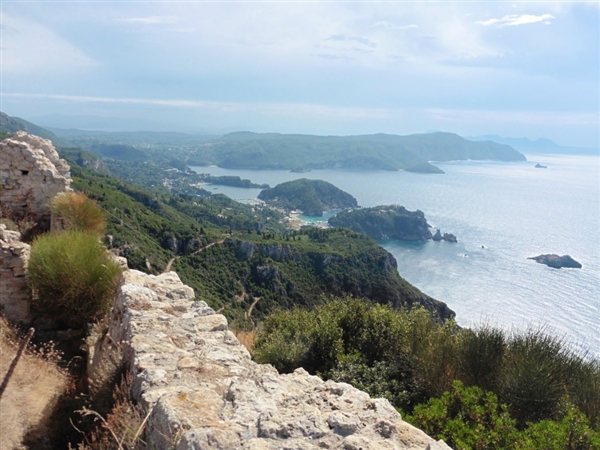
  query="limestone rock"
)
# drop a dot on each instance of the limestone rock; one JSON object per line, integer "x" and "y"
{"x": 205, "y": 392}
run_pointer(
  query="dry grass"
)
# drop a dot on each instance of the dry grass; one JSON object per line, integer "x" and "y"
{"x": 246, "y": 338}
{"x": 31, "y": 394}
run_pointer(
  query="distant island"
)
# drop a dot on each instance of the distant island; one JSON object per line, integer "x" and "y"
{"x": 301, "y": 153}
{"x": 387, "y": 221}
{"x": 557, "y": 262}
{"x": 312, "y": 197}
{"x": 539, "y": 166}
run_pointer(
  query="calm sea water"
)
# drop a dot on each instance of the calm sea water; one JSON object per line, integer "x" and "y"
{"x": 502, "y": 213}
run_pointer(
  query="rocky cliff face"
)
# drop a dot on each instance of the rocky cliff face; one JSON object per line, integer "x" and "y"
{"x": 204, "y": 392}
{"x": 31, "y": 174}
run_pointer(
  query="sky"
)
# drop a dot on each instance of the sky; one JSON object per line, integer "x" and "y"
{"x": 516, "y": 69}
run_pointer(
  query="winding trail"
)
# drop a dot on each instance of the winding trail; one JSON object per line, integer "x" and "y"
{"x": 172, "y": 260}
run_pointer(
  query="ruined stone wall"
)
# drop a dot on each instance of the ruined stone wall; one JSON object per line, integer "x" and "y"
{"x": 31, "y": 174}
{"x": 14, "y": 255}
{"x": 204, "y": 392}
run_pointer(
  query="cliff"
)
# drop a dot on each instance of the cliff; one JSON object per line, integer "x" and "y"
{"x": 203, "y": 391}
{"x": 382, "y": 222}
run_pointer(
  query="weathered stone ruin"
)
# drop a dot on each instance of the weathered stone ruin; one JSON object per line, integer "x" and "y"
{"x": 204, "y": 392}
{"x": 31, "y": 174}
{"x": 14, "y": 254}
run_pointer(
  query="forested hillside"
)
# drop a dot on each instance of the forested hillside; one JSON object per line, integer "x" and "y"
{"x": 234, "y": 255}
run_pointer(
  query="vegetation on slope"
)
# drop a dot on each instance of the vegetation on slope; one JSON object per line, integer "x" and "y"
{"x": 366, "y": 152}
{"x": 386, "y": 221}
{"x": 312, "y": 197}
{"x": 285, "y": 270}
{"x": 528, "y": 386}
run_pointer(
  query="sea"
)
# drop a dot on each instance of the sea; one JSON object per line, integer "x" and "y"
{"x": 502, "y": 213}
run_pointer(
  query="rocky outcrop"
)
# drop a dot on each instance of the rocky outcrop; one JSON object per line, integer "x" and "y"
{"x": 31, "y": 174}
{"x": 204, "y": 392}
{"x": 448, "y": 237}
{"x": 557, "y": 262}
{"x": 14, "y": 255}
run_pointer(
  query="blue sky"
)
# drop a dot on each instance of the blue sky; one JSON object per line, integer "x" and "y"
{"x": 516, "y": 69}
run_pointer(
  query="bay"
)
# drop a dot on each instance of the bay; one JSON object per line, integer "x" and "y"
{"x": 502, "y": 213}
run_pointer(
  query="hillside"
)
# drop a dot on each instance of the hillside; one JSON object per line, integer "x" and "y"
{"x": 382, "y": 222}
{"x": 232, "y": 254}
{"x": 12, "y": 124}
{"x": 312, "y": 197}
{"x": 246, "y": 150}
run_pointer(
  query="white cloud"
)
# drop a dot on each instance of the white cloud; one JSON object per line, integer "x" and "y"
{"x": 385, "y": 24}
{"x": 152, "y": 20}
{"x": 515, "y": 19}
{"x": 32, "y": 48}
{"x": 272, "y": 109}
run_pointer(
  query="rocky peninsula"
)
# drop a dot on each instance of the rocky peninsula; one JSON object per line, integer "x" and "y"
{"x": 389, "y": 221}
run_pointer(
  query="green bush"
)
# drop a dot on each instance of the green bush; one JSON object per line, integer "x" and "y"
{"x": 466, "y": 418}
{"x": 481, "y": 356}
{"x": 534, "y": 376}
{"x": 469, "y": 418}
{"x": 72, "y": 277}
{"x": 571, "y": 432}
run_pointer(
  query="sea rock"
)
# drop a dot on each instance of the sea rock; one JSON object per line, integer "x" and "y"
{"x": 449, "y": 237}
{"x": 539, "y": 166}
{"x": 437, "y": 236}
{"x": 556, "y": 261}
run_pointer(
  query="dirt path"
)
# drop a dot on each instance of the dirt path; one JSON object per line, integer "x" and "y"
{"x": 170, "y": 263}
{"x": 252, "y": 306}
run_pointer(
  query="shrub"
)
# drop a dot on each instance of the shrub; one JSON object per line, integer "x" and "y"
{"x": 71, "y": 276}
{"x": 572, "y": 432}
{"x": 466, "y": 418}
{"x": 481, "y": 355}
{"x": 534, "y": 376}
{"x": 78, "y": 212}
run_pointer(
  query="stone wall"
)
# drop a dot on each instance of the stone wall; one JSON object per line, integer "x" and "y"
{"x": 14, "y": 255}
{"x": 31, "y": 174}
{"x": 204, "y": 392}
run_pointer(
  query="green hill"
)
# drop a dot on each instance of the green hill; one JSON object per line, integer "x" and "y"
{"x": 388, "y": 221}
{"x": 312, "y": 197}
{"x": 245, "y": 150}
{"x": 13, "y": 124}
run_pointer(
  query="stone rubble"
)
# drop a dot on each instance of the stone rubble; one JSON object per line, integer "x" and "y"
{"x": 14, "y": 255}
{"x": 205, "y": 392}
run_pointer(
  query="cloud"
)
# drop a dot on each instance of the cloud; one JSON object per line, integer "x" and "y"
{"x": 385, "y": 24}
{"x": 272, "y": 109}
{"x": 152, "y": 20}
{"x": 32, "y": 48}
{"x": 515, "y": 19}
